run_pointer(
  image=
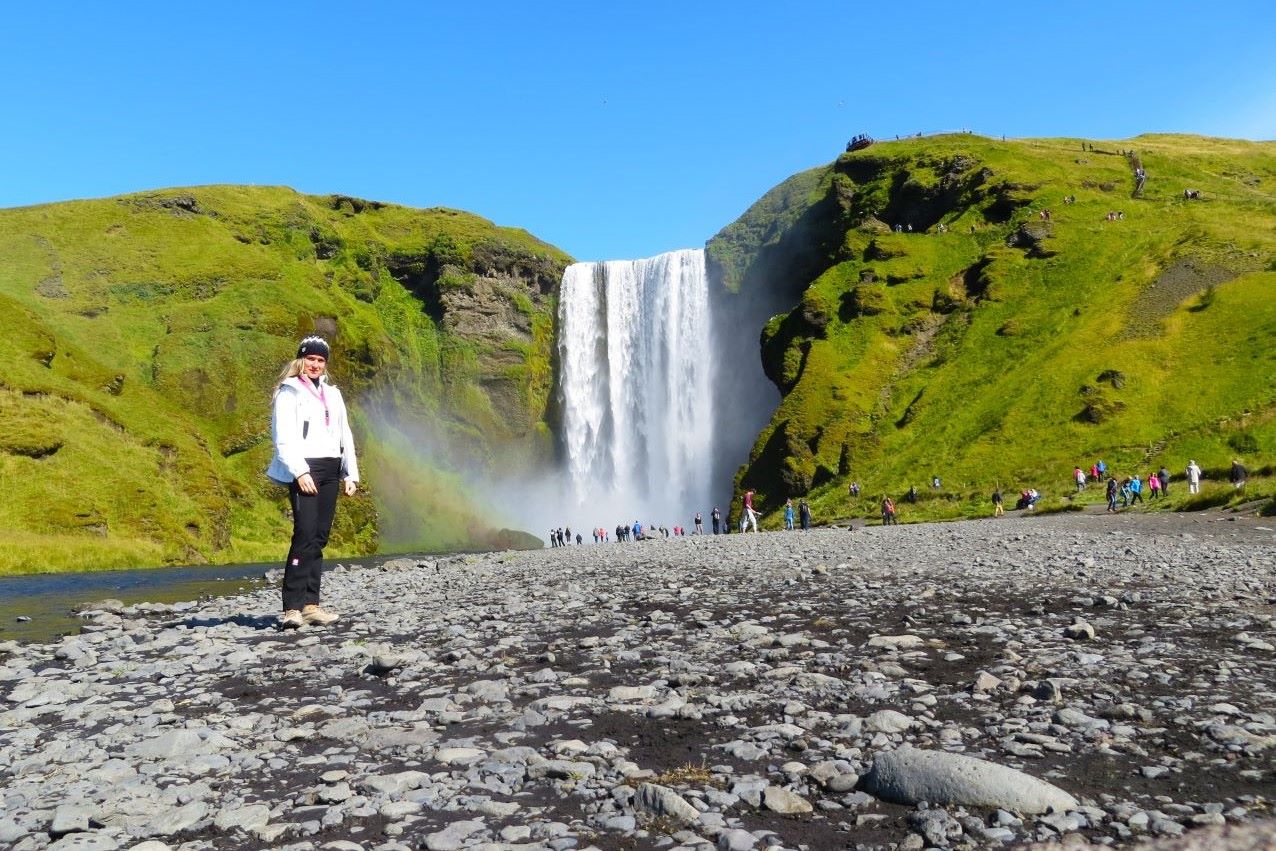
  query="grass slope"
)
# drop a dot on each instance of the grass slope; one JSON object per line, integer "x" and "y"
{"x": 991, "y": 346}
{"x": 144, "y": 334}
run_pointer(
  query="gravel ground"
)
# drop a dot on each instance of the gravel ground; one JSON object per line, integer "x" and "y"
{"x": 1070, "y": 679}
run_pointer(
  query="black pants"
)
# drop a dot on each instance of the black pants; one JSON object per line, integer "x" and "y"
{"x": 311, "y": 523}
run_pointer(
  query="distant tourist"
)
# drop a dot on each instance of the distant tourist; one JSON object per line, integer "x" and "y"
{"x": 804, "y": 512}
{"x": 1164, "y": 475}
{"x": 1112, "y": 494}
{"x": 1136, "y": 489}
{"x": 997, "y": 508}
{"x": 855, "y": 489}
{"x": 749, "y": 516}
{"x": 1078, "y": 475}
{"x": 315, "y": 458}
{"x": 888, "y": 512}
{"x": 1238, "y": 474}
{"x": 716, "y": 517}
{"x": 1193, "y": 477}
{"x": 699, "y": 524}
{"x": 1154, "y": 487}
{"x": 788, "y": 514}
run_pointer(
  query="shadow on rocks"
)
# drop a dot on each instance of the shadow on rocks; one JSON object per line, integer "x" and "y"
{"x": 252, "y": 621}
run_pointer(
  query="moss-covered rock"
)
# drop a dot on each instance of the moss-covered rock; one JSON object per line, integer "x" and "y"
{"x": 972, "y": 302}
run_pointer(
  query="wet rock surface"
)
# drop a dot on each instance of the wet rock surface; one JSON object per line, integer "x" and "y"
{"x": 699, "y": 693}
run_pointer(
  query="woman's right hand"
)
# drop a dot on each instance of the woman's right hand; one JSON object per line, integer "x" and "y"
{"x": 307, "y": 484}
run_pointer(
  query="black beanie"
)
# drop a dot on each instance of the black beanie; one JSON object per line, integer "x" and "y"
{"x": 313, "y": 346}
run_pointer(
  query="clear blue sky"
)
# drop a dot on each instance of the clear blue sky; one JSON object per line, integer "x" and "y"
{"x": 611, "y": 129}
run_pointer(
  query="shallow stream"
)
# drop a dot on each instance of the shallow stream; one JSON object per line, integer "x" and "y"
{"x": 42, "y": 607}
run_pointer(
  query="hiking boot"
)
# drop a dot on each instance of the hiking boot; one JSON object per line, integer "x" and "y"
{"x": 291, "y": 619}
{"x": 317, "y": 616}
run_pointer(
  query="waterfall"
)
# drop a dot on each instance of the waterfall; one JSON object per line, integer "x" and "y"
{"x": 636, "y": 380}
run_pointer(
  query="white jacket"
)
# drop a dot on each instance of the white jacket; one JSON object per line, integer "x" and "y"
{"x": 298, "y": 431}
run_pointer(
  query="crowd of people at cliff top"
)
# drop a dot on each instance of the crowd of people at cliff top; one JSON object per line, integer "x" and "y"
{"x": 1128, "y": 490}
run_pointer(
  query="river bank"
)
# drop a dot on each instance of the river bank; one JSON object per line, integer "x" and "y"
{"x": 730, "y": 692}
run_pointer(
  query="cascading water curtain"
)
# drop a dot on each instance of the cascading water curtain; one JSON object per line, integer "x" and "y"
{"x": 636, "y": 381}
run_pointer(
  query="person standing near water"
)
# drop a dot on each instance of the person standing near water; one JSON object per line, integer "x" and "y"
{"x": 314, "y": 457}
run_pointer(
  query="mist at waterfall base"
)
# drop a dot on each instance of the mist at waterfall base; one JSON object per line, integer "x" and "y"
{"x": 434, "y": 496}
{"x": 436, "y": 493}
{"x": 660, "y": 395}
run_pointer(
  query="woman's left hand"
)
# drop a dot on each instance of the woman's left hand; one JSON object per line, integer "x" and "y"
{"x": 351, "y": 487}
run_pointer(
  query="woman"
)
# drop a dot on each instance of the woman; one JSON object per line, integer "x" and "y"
{"x": 314, "y": 454}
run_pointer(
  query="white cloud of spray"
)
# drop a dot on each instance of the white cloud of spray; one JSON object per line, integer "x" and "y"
{"x": 446, "y": 491}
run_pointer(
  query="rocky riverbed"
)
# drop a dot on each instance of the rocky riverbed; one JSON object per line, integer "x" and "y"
{"x": 1072, "y": 678}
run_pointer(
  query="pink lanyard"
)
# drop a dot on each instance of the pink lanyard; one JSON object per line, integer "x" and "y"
{"x": 309, "y": 385}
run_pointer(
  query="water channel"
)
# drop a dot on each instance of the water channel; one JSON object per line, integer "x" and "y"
{"x": 41, "y": 607}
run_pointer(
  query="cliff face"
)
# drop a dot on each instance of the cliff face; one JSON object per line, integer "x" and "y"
{"x": 997, "y": 312}
{"x": 144, "y": 334}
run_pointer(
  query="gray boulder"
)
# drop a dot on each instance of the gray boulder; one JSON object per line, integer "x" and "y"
{"x": 662, "y": 801}
{"x": 910, "y": 775}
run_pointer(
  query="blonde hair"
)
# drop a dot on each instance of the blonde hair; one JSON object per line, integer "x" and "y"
{"x": 290, "y": 370}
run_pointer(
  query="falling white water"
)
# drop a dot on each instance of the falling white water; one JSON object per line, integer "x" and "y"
{"x": 636, "y": 384}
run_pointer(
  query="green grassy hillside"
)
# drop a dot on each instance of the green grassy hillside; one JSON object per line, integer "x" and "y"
{"x": 143, "y": 335}
{"x": 991, "y": 345}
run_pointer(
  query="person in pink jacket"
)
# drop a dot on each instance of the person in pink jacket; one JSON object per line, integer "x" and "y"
{"x": 1154, "y": 486}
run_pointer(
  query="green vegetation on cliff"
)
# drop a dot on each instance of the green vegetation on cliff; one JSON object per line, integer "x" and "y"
{"x": 143, "y": 335}
{"x": 990, "y": 343}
